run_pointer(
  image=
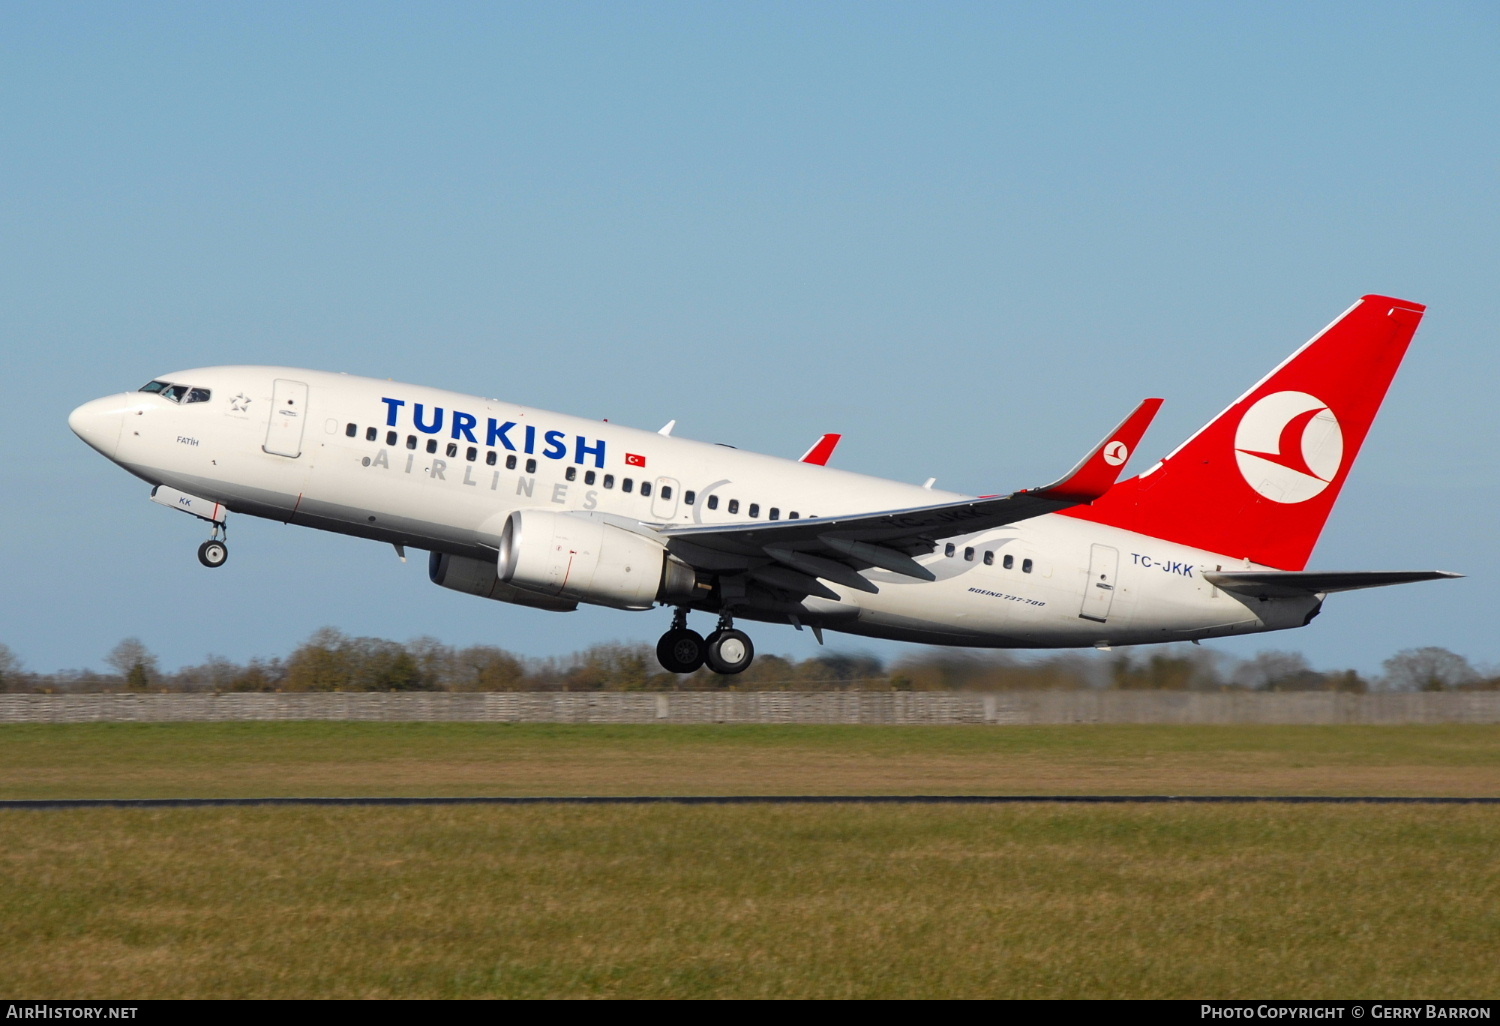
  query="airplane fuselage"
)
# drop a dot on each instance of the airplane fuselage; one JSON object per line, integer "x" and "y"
{"x": 442, "y": 471}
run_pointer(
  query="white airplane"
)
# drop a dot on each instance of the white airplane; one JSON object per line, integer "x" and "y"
{"x": 547, "y": 510}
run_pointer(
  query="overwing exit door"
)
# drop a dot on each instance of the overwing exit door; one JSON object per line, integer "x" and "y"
{"x": 1099, "y": 589}
{"x": 664, "y": 499}
{"x": 288, "y": 417}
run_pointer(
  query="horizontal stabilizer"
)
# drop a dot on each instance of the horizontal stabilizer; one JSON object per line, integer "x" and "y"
{"x": 1316, "y": 582}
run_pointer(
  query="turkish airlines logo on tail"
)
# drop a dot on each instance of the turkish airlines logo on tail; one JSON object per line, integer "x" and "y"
{"x": 1289, "y": 446}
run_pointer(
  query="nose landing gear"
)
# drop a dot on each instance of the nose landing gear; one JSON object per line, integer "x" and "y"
{"x": 215, "y": 552}
{"x": 682, "y": 650}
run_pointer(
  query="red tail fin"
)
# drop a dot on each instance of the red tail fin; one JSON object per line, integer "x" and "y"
{"x": 1259, "y": 481}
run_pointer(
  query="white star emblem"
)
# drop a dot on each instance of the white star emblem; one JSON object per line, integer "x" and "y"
{"x": 239, "y": 403}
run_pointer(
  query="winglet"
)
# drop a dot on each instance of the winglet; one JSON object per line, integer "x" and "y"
{"x": 822, "y": 449}
{"x": 1101, "y": 469}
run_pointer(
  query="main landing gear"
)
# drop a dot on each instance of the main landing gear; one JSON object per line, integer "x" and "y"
{"x": 215, "y": 552}
{"x": 683, "y": 650}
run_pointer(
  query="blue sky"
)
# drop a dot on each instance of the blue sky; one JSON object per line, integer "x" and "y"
{"x": 969, "y": 236}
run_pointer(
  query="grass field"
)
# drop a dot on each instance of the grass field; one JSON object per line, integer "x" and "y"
{"x": 1159, "y": 901}
{"x": 131, "y": 760}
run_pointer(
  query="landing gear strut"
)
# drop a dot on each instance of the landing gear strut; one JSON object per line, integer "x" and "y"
{"x": 681, "y": 650}
{"x": 214, "y": 552}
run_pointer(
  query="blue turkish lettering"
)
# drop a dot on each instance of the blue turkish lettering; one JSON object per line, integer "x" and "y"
{"x": 437, "y": 421}
{"x": 463, "y": 426}
{"x": 497, "y": 434}
{"x": 582, "y": 449}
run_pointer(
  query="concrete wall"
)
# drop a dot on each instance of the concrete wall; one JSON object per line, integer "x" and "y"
{"x": 1044, "y": 707}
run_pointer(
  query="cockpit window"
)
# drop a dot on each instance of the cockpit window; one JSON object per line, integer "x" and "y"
{"x": 198, "y": 395}
{"x": 174, "y": 392}
{"x": 153, "y": 386}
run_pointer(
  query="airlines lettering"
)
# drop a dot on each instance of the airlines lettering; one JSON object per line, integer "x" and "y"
{"x": 1172, "y": 567}
{"x": 553, "y": 445}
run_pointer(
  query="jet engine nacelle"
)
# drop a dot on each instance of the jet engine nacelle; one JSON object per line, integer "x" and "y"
{"x": 570, "y": 556}
{"x": 478, "y": 577}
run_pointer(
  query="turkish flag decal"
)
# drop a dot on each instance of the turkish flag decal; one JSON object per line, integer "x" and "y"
{"x": 632, "y": 460}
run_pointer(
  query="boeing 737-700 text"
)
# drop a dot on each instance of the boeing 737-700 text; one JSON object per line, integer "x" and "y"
{"x": 547, "y": 510}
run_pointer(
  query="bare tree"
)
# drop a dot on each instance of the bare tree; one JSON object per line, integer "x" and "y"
{"x": 10, "y": 669}
{"x": 135, "y": 662}
{"x": 1427, "y": 669}
{"x": 1271, "y": 671}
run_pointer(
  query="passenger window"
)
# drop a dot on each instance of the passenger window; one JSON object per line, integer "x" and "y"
{"x": 989, "y": 558}
{"x": 432, "y": 445}
{"x": 588, "y": 477}
{"x": 490, "y": 458}
{"x": 609, "y": 480}
{"x": 371, "y": 434}
{"x": 411, "y": 441}
{"x": 531, "y": 466}
{"x": 734, "y": 505}
{"x": 199, "y": 395}
{"x": 689, "y": 496}
{"x": 510, "y": 462}
{"x": 775, "y": 513}
{"x": 969, "y": 555}
{"x": 1025, "y": 566}
{"x": 452, "y": 449}
{"x": 794, "y": 515}
{"x": 755, "y": 509}
{"x": 351, "y": 431}
{"x": 627, "y": 485}
{"x": 713, "y": 502}
{"x": 391, "y": 438}
{"x": 153, "y": 386}
{"x": 571, "y": 474}
{"x": 472, "y": 454}
{"x": 949, "y": 549}
{"x": 666, "y": 491}
{"x": 645, "y": 487}
{"x": 1010, "y": 562}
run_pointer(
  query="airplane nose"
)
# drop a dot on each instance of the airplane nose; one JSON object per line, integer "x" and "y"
{"x": 99, "y": 423}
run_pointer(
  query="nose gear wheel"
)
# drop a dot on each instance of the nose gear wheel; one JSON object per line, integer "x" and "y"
{"x": 213, "y": 553}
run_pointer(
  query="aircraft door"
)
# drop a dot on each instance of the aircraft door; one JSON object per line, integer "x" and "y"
{"x": 664, "y": 499}
{"x": 288, "y": 417}
{"x": 1099, "y": 589}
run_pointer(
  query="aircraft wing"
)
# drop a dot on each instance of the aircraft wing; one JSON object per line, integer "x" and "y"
{"x": 1315, "y": 582}
{"x": 834, "y": 547}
